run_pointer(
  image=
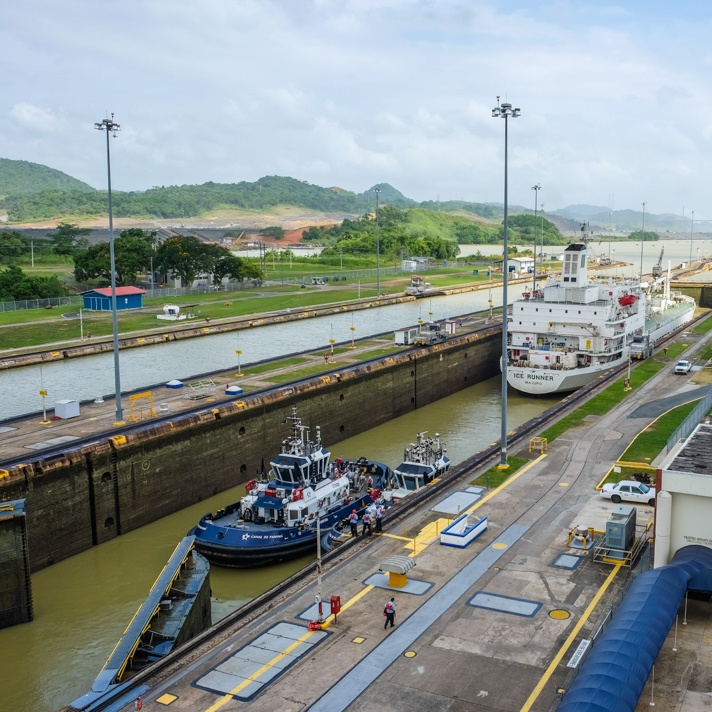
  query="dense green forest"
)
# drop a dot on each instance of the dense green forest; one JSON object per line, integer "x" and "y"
{"x": 25, "y": 178}
{"x": 426, "y": 233}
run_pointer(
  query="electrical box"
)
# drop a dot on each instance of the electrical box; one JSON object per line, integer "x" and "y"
{"x": 66, "y": 409}
{"x": 620, "y": 528}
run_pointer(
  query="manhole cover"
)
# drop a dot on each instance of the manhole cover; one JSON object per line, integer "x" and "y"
{"x": 559, "y": 614}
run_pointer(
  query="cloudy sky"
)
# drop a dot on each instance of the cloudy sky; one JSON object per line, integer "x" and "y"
{"x": 615, "y": 98}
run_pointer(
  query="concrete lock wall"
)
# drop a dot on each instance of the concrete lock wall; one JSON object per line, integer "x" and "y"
{"x": 90, "y": 495}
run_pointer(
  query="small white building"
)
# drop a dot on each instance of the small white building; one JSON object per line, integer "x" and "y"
{"x": 520, "y": 265}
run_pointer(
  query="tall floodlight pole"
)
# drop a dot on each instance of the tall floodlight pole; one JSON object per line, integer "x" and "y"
{"x": 692, "y": 229}
{"x": 536, "y": 188}
{"x": 111, "y": 127}
{"x": 504, "y": 111}
{"x": 642, "y": 242}
{"x": 377, "y": 191}
{"x": 541, "y": 251}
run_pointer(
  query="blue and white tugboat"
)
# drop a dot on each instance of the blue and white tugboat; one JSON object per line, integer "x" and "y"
{"x": 423, "y": 461}
{"x": 277, "y": 518}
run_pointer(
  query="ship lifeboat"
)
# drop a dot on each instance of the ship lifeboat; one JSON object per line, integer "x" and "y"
{"x": 627, "y": 299}
{"x": 526, "y": 295}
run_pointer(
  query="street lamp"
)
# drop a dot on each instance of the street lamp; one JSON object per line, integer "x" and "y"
{"x": 692, "y": 229}
{"x": 377, "y": 191}
{"x": 111, "y": 127}
{"x": 504, "y": 111}
{"x": 642, "y": 241}
{"x": 536, "y": 188}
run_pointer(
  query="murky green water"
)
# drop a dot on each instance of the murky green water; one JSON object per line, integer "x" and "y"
{"x": 83, "y": 605}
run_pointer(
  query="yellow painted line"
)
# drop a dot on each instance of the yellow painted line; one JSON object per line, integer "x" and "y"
{"x": 395, "y": 536}
{"x": 426, "y": 536}
{"x": 567, "y": 644}
{"x": 253, "y": 678}
{"x": 431, "y": 532}
{"x": 504, "y": 484}
{"x": 330, "y": 619}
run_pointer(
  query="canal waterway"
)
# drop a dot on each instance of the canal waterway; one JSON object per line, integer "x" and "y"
{"x": 82, "y": 605}
{"x": 86, "y": 378}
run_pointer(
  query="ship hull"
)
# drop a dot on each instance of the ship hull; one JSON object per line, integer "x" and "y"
{"x": 542, "y": 381}
{"x": 227, "y": 542}
{"x": 545, "y": 381}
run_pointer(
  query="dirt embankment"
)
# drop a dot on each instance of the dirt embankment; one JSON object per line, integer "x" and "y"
{"x": 293, "y": 222}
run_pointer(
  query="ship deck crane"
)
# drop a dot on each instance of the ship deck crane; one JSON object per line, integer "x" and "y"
{"x": 657, "y": 267}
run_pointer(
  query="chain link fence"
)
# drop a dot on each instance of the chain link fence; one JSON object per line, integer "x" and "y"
{"x": 153, "y": 291}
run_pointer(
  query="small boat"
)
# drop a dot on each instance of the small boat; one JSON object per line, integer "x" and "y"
{"x": 423, "y": 461}
{"x": 277, "y": 518}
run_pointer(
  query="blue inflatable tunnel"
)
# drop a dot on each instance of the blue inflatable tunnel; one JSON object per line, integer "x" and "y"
{"x": 614, "y": 673}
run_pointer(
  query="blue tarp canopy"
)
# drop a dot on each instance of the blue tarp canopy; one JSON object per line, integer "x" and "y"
{"x": 269, "y": 502}
{"x": 614, "y": 673}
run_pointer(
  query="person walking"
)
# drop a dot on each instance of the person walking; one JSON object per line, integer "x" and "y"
{"x": 390, "y": 613}
{"x": 366, "y": 523}
{"x": 379, "y": 519}
{"x": 353, "y": 522}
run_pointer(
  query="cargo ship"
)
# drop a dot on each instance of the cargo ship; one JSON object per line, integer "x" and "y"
{"x": 573, "y": 327}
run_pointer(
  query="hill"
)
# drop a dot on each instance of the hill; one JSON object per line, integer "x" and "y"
{"x": 25, "y": 178}
{"x": 189, "y": 201}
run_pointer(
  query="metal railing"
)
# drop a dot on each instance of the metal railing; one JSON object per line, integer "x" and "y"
{"x": 47, "y": 303}
{"x": 691, "y": 422}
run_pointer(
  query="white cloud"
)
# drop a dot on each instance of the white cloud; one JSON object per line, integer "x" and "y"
{"x": 365, "y": 91}
{"x": 33, "y": 118}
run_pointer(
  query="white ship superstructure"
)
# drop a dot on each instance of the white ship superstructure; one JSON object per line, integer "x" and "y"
{"x": 572, "y": 328}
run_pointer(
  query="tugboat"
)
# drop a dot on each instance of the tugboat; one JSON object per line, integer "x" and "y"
{"x": 277, "y": 518}
{"x": 423, "y": 461}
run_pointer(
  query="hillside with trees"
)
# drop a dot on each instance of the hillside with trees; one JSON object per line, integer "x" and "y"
{"x": 186, "y": 201}
{"x": 424, "y": 233}
{"x": 25, "y": 178}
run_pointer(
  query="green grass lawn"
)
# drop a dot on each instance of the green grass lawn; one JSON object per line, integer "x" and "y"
{"x": 704, "y": 327}
{"x": 494, "y": 477}
{"x": 651, "y": 442}
{"x": 606, "y": 400}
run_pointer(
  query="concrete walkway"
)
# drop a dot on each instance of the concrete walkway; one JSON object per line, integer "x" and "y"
{"x": 447, "y": 652}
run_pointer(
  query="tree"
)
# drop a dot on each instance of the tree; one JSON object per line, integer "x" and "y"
{"x": 132, "y": 255}
{"x": 650, "y": 236}
{"x": 229, "y": 265}
{"x": 15, "y": 285}
{"x": 185, "y": 256}
{"x": 11, "y": 246}
{"x": 68, "y": 239}
{"x": 276, "y": 232}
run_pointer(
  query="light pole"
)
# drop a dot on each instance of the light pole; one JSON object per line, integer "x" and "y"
{"x": 111, "y": 127}
{"x": 536, "y": 188}
{"x": 642, "y": 241}
{"x": 541, "y": 253}
{"x": 692, "y": 229}
{"x": 504, "y": 111}
{"x": 377, "y": 191}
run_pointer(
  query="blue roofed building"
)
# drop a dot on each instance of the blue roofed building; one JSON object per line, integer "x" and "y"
{"x": 126, "y": 298}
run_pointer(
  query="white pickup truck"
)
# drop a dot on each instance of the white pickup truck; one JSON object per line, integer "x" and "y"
{"x": 683, "y": 367}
